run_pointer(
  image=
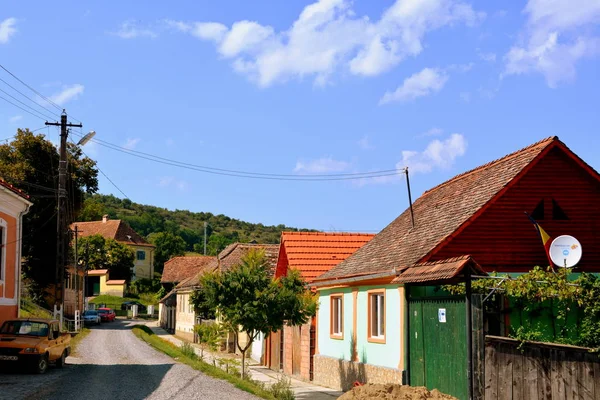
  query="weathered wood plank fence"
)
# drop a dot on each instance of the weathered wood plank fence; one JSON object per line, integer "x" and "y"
{"x": 535, "y": 371}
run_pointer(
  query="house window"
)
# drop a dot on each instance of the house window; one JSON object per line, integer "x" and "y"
{"x": 337, "y": 317}
{"x": 141, "y": 255}
{"x": 376, "y": 317}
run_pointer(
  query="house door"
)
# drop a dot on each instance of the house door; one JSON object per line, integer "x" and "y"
{"x": 275, "y": 342}
{"x": 96, "y": 289}
{"x": 296, "y": 354}
{"x": 438, "y": 348}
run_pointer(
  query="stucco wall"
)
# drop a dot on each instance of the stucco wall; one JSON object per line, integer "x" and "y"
{"x": 143, "y": 268}
{"x": 185, "y": 317}
{"x": 388, "y": 354}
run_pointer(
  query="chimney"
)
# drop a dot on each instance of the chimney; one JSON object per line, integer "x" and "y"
{"x": 104, "y": 218}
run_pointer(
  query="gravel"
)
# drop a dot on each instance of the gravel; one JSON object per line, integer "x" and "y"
{"x": 111, "y": 363}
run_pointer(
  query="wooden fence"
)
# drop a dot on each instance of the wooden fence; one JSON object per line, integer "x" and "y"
{"x": 534, "y": 371}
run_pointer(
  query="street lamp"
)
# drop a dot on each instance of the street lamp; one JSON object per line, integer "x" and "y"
{"x": 86, "y": 138}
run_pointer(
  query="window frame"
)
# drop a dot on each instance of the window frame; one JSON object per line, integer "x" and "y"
{"x": 137, "y": 255}
{"x": 381, "y": 319}
{"x": 333, "y": 298}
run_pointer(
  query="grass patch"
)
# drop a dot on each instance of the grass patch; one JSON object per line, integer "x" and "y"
{"x": 146, "y": 334}
{"x": 31, "y": 310}
{"x": 115, "y": 300}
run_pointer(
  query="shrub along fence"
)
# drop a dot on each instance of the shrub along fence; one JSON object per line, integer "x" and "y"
{"x": 533, "y": 370}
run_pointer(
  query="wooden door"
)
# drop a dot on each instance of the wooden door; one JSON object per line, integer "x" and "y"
{"x": 296, "y": 353}
{"x": 275, "y": 342}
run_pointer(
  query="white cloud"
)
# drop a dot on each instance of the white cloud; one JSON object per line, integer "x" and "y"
{"x": 131, "y": 143}
{"x": 423, "y": 83}
{"x": 15, "y": 119}
{"x": 328, "y": 36}
{"x": 365, "y": 144}
{"x": 174, "y": 183}
{"x": 431, "y": 132}
{"x": 437, "y": 155}
{"x": 488, "y": 57}
{"x": 68, "y": 93}
{"x": 131, "y": 30}
{"x": 7, "y": 29}
{"x": 557, "y": 35}
{"x": 321, "y": 165}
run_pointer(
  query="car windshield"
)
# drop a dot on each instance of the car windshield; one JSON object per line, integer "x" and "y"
{"x": 25, "y": 328}
{"x": 102, "y": 311}
{"x": 90, "y": 312}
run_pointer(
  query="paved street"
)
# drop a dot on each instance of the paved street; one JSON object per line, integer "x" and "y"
{"x": 111, "y": 363}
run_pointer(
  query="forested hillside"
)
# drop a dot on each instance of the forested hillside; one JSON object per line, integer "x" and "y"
{"x": 154, "y": 222}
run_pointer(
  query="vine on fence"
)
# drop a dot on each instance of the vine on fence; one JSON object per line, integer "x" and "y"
{"x": 553, "y": 291}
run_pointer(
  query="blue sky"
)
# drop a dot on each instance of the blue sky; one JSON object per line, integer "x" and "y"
{"x": 301, "y": 87}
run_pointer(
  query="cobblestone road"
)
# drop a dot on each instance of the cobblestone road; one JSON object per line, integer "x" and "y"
{"x": 111, "y": 363}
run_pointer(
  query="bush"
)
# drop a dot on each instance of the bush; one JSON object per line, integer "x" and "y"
{"x": 282, "y": 389}
{"x": 188, "y": 351}
{"x": 209, "y": 336}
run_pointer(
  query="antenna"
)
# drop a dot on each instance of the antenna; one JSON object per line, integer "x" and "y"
{"x": 565, "y": 251}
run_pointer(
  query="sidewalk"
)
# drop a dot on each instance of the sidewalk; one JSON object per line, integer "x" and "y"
{"x": 302, "y": 390}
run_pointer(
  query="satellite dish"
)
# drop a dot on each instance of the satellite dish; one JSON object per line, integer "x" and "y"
{"x": 86, "y": 138}
{"x": 565, "y": 251}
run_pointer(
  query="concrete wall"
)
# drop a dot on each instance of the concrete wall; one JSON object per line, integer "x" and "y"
{"x": 143, "y": 268}
{"x": 185, "y": 317}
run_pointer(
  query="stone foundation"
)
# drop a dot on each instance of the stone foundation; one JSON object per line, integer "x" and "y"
{"x": 341, "y": 374}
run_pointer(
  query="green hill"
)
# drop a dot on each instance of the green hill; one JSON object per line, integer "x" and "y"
{"x": 146, "y": 220}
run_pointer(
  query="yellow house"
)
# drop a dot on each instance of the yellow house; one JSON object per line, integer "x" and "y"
{"x": 99, "y": 283}
{"x": 121, "y": 232}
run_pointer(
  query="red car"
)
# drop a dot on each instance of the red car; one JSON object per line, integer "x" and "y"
{"x": 106, "y": 314}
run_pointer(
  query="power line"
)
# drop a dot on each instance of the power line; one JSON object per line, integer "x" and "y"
{"x": 243, "y": 174}
{"x": 28, "y": 98}
{"x": 29, "y": 112}
{"x": 26, "y": 105}
{"x": 32, "y": 89}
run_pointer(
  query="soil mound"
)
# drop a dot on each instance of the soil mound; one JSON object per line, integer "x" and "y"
{"x": 393, "y": 392}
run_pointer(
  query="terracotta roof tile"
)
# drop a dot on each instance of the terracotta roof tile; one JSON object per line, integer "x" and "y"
{"x": 13, "y": 189}
{"x": 442, "y": 270}
{"x": 438, "y": 213}
{"x": 111, "y": 229}
{"x": 116, "y": 282}
{"x": 178, "y": 269}
{"x": 232, "y": 256}
{"x": 313, "y": 253}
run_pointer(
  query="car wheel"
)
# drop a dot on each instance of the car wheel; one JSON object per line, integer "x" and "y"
{"x": 61, "y": 361}
{"x": 42, "y": 364}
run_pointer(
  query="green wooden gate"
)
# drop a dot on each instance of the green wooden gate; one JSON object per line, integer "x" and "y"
{"x": 438, "y": 349}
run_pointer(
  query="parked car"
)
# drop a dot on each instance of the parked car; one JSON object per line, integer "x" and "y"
{"x": 33, "y": 343}
{"x": 127, "y": 306}
{"x": 91, "y": 317}
{"x": 106, "y": 314}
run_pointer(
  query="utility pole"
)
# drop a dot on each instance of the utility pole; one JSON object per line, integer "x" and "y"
{"x": 61, "y": 216}
{"x": 412, "y": 215}
{"x": 205, "y": 225}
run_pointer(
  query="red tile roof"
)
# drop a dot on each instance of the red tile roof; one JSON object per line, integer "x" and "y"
{"x": 178, "y": 269}
{"x": 439, "y": 213}
{"x": 95, "y": 272}
{"x": 116, "y": 282}
{"x": 13, "y": 189}
{"x": 443, "y": 270}
{"x": 111, "y": 229}
{"x": 230, "y": 257}
{"x": 313, "y": 253}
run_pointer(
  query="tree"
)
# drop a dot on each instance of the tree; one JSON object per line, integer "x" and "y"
{"x": 30, "y": 162}
{"x": 248, "y": 300}
{"x": 97, "y": 252}
{"x": 167, "y": 245}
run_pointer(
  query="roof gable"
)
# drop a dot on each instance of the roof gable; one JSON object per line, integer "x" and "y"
{"x": 313, "y": 253}
{"x": 116, "y": 229}
{"x": 441, "y": 212}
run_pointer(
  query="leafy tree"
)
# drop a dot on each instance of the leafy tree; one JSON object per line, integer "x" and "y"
{"x": 92, "y": 211}
{"x": 248, "y": 300}
{"x": 209, "y": 336}
{"x": 97, "y": 252}
{"x": 30, "y": 162}
{"x": 167, "y": 245}
{"x": 216, "y": 243}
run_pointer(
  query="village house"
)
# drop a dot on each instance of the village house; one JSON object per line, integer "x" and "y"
{"x": 378, "y": 324}
{"x": 175, "y": 311}
{"x": 14, "y": 204}
{"x": 311, "y": 253}
{"x": 121, "y": 232}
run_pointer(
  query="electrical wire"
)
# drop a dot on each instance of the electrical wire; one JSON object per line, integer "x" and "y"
{"x": 26, "y": 105}
{"x": 29, "y": 112}
{"x": 243, "y": 174}
{"x": 28, "y": 98}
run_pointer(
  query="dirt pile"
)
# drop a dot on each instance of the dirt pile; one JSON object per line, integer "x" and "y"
{"x": 393, "y": 392}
